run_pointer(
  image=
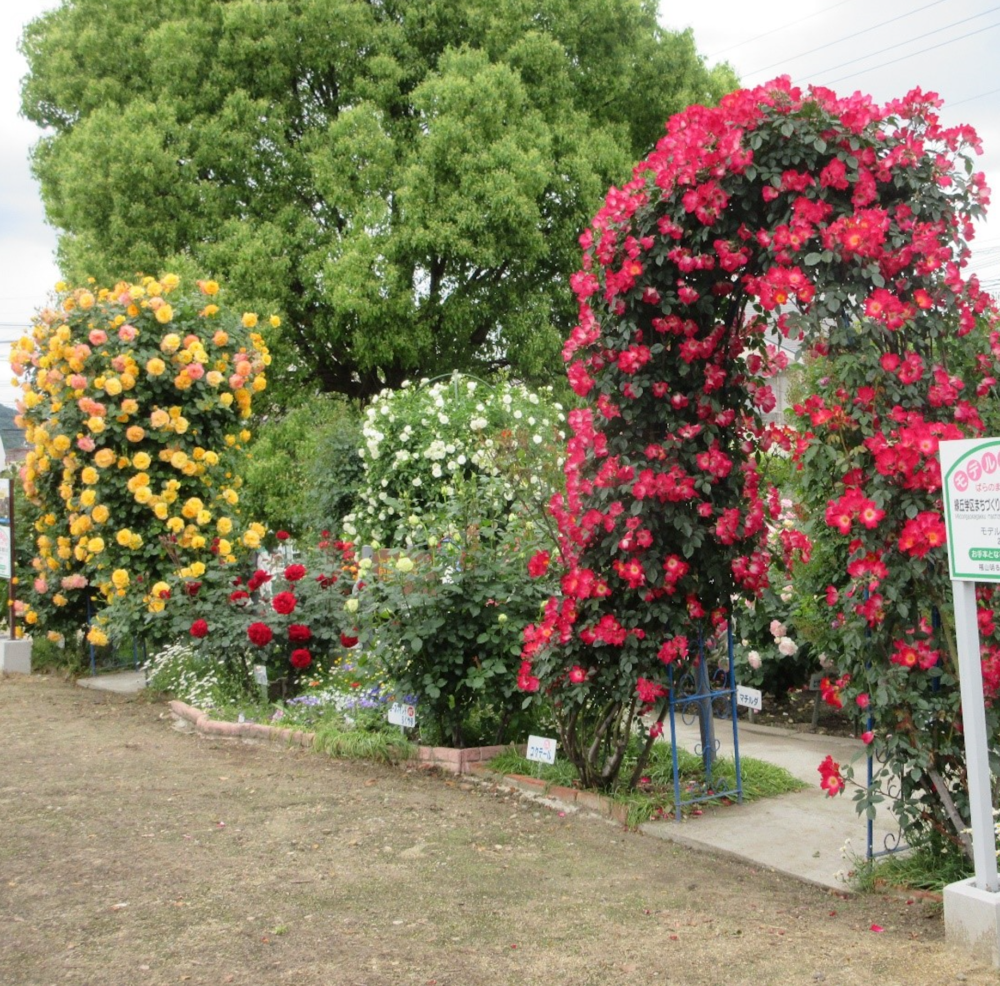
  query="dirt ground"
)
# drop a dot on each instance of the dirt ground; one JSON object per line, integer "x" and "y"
{"x": 134, "y": 853}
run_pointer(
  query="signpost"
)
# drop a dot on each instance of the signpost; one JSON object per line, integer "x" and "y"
{"x": 970, "y": 491}
{"x": 15, "y": 655}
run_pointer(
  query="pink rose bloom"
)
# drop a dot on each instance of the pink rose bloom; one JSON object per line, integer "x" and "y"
{"x": 78, "y": 381}
{"x": 86, "y": 444}
{"x": 98, "y": 337}
{"x": 195, "y": 371}
{"x": 778, "y": 629}
{"x": 41, "y": 586}
{"x": 787, "y": 646}
{"x": 236, "y": 381}
{"x": 753, "y": 659}
{"x": 127, "y": 333}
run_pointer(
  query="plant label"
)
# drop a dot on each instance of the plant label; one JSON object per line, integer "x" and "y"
{"x": 403, "y": 715}
{"x": 260, "y": 675}
{"x": 541, "y": 749}
{"x": 748, "y": 697}
{"x": 814, "y": 680}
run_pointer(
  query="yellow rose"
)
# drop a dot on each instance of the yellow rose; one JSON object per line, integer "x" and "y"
{"x": 138, "y": 481}
{"x": 251, "y": 539}
{"x": 60, "y": 444}
{"x": 119, "y": 578}
{"x": 155, "y": 367}
{"x": 170, "y": 282}
{"x": 95, "y": 545}
{"x": 175, "y": 525}
{"x": 135, "y": 433}
{"x": 89, "y": 475}
{"x": 136, "y": 541}
{"x": 159, "y": 418}
{"x": 191, "y": 507}
{"x": 141, "y": 460}
{"x": 85, "y": 300}
{"x": 95, "y": 424}
{"x": 113, "y": 387}
{"x": 224, "y": 547}
{"x": 143, "y": 495}
{"x": 213, "y": 378}
{"x": 59, "y": 599}
{"x": 226, "y": 399}
{"x": 170, "y": 343}
{"x": 224, "y": 525}
{"x": 100, "y": 513}
{"x": 275, "y": 322}
{"x": 161, "y": 511}
{"x": 130, "y": 406}
{"x": 197, "y": 569}
{"x": 164, "y": 314}
{"x": 105, "y": 457}
{"x": 123, "y": 537}
{"x": 211, "y": 288}
{"x": 88, "y": 498}
{"x": 182, "y": 381}
{"x": 249, "y": 320}
{"x": 97, "y": 637}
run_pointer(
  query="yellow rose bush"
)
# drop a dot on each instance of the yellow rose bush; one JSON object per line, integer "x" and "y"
{"x": 136, "y": 402}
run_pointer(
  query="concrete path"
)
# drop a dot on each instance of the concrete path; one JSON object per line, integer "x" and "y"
{"x": 802, "y": 834}
{"x": 122, "y": 682}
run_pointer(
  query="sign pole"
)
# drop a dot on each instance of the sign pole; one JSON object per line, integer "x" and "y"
{"x": 977, "y": 763}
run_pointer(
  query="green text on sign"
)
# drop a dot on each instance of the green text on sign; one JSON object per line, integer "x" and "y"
{"x": 984, "y": 554}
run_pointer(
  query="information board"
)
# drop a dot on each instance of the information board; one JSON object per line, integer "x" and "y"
{"x": 970, "y": 491}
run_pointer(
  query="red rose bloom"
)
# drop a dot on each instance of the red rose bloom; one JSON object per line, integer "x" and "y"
{"x": 284, "y": 603}
{"x": 199, "y": 628}
{"x": 295, "y": 572}
{"x": 239, "y": 597}
{"x": 257, "y": 580}
{"x": 299, "y": 633}
{"x": 191, "y": 588}
{"x": 301, "y": 658}
{"x": 347, "y": 641}
{"x": 281, "y": 535}
{"x": 259, "y": 634}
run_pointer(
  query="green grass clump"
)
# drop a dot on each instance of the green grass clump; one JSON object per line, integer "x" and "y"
{"x": 654, "y": 797}
{"x": 925, "y": 867}
{"x": 358, "y": 744}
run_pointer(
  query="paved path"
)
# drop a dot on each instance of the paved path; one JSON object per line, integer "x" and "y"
{"x": 802, "y": 834}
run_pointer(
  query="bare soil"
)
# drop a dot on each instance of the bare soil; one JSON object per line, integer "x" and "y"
{"x": 135, "y": 853}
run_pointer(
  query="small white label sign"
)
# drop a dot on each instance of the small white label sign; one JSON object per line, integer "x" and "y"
{"x": 542, "y": 749}
{"x": 970, "y": 494}
{"x": 748, "y": 697}
{"x": 260, "y": 674}
{"x": 403, "y": 715}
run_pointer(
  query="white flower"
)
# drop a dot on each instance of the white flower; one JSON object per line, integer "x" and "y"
{"x": 416, "y": 481}
{"x": 537, "y": 439}
{"x": 778, "y": 629}
{"x": 518, "y": 414}
{"x": 478, "y": 424}
{"x": 753, "y": 659}
{"x": 787, "y": 646}
{"x": 436, "y": 471}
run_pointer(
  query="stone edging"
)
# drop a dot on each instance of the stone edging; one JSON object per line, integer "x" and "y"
{"x": 468, "y": 761}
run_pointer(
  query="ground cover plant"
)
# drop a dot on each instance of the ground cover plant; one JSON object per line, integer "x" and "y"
{"x": 653, "y": 797}
{"x": 783, "y": 212}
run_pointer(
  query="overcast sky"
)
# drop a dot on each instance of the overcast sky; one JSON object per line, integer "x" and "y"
{"x": 885, "y": 49}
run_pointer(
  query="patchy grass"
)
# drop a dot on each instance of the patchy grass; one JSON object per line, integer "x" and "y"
{"x": 925, "y": 868}
{"x": 654, "y": 798}
{"x": 359, "y": 744}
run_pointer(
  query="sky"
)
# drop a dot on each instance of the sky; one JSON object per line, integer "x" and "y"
{"x": 884, "y": 49}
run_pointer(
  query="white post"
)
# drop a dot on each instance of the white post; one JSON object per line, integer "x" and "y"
{"x": 977, "y": 764}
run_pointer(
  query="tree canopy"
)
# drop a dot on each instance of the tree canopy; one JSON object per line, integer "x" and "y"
{"x": 404, "y": 179}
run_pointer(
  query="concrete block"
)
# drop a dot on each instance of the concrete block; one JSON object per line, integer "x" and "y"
{"x": 15, "y": 656}
{"x": 972, "y": 920}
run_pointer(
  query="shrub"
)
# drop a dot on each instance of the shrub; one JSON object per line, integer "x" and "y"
{"x": 136, "y": 400}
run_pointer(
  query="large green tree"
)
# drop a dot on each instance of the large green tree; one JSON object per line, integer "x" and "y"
{"x": 404, "y": 179}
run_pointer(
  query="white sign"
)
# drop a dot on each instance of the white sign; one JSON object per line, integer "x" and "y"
{"x": 542, "y": 749}
{"x": 6, "y": 554}
{"x": 749, "y": 697}
{"x": 970, "y": 491}
{"x": 260, "y": 674}
{"x": 403, "y": 715}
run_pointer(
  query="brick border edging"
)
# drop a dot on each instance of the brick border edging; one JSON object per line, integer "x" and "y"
{"x": 204, "y": 723}
{"x": 472, "y": 760}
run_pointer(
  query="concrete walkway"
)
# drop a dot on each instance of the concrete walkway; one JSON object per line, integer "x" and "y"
{"x": 802, "y": 834}
{"x": 121, "y": 682}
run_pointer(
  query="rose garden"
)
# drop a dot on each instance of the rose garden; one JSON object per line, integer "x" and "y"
{"x": 518, "y": 560}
